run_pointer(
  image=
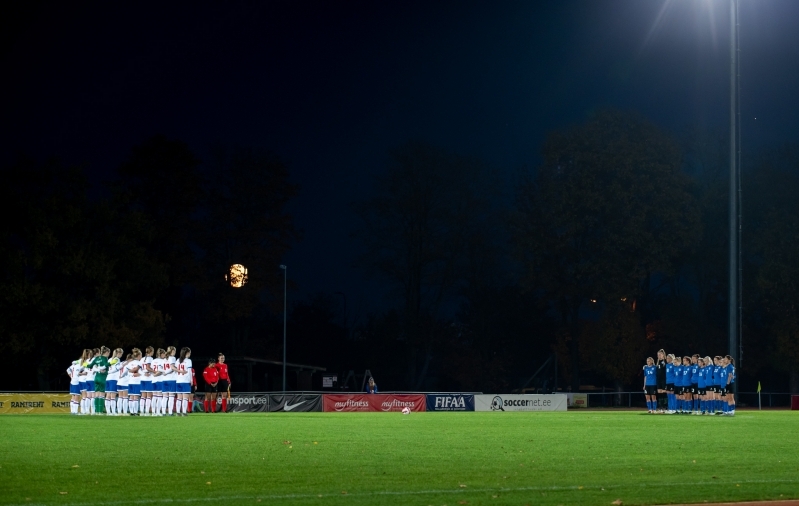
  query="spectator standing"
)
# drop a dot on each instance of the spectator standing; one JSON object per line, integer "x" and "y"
{"x": 371, "y": 386}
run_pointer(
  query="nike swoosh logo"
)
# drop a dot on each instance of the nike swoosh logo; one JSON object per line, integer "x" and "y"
{"x": 289, "y": 407}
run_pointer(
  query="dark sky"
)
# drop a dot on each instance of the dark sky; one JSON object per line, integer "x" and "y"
{"x": 331, "y": 86}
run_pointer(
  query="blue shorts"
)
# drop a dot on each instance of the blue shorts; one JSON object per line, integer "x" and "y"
{"x": 90, "y": 386}
{"x": 111, "y": 386}
{"x": 82, "y": 386}
{"x": 74, "y": 389}
{"x": 169, "y": 386}
{"x": 157, "y": 387}
{"x": 146, "y": 386}
{"x": 134, "y": 389}
{"x": 122, "y": 388}
{"x": 184, "y": 388}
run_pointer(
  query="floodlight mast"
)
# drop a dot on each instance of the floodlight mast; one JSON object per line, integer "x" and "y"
{"x": 734, "y": 308}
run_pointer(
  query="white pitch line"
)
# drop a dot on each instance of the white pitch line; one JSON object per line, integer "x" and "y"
{"x": 277, "y": 497}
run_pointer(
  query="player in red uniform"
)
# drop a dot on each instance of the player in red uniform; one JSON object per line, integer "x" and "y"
{"x": 224, "y": 380}
{"x": 211, "y": 377}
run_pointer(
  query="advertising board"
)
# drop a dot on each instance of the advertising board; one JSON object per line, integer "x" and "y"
{"x": 33, "y": 403}
{"x": 516, "y": 402}
{"x": 295, "y": 402}
{"x": 373, "y": 402}
{"x": 577, "y": 400}
{"x": 450, "y": 402}
{"x": 262, "y": 403}
{"x": 245, "y": 403}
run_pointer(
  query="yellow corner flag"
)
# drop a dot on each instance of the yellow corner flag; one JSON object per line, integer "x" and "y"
{"x": 758, "y": 387}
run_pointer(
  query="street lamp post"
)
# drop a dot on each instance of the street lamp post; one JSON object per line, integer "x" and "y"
{"x": 285, "y": 275}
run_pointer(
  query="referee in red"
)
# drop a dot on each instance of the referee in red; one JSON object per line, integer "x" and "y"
{"x": 211, "y": 377}
{"x": 224, "y": 381}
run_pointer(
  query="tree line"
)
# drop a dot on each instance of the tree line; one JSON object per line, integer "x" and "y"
{"x": 142, "y": 259}
{"x": 613, "y": 247}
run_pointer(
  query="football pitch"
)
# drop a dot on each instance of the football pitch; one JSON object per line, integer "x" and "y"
{"x": 591, "y": 457}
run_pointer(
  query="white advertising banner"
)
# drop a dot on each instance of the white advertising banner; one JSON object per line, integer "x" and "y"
{"x": 577, "y": 400}
{"x": 516, "y": 402}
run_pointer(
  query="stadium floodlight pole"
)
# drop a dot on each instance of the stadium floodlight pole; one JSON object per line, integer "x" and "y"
{"x": 734, "y": 253}
{"x": 285, "y": 275}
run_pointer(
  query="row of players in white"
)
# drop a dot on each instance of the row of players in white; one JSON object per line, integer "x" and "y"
{"x": 139, "y": 385}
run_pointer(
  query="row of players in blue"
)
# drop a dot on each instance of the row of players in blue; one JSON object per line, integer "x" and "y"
{"x": 694, "y": 385}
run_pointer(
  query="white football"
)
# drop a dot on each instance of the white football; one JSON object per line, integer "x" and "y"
{"x": 406, "y": 411}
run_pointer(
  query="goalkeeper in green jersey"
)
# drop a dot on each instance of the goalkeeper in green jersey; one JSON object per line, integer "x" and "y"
{"x": 100, "y": 362}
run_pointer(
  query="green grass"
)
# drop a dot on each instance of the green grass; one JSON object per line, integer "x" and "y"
{"x": 388, "y": 458}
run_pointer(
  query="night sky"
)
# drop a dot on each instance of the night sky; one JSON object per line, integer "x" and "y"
{"x": 332, "y": 86}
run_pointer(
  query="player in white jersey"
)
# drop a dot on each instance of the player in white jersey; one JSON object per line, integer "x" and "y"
{"x": 122, "y": 386}
{"x": 112, "y": 382}
{"x": 134, "y": 383}
{"x": 90, "y": 374}
{"x": 84, "y": 394}
{"x": 146, "y": 381}
{"x": 169, "y": 387}
{"x": 74, "y": 371}
{"x": 183, "y": 382}
{"x": 158, "y": 377}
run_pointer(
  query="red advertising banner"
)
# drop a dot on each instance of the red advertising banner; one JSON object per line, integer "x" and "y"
{"x": 374, "y": 402}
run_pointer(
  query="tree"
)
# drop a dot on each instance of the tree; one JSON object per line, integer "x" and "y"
{"x": 415, "y": 231}
{"x": 161, "y": 180}
{"x": 503, "y": 335}
{"x": 317, "y": 323}
{"x": 75, "y": 273}
{"x": 607, "y": 208}
{"x": 774, "y": 239}
{"x": 615, "y": 345}
{"x": 243, "y": 222}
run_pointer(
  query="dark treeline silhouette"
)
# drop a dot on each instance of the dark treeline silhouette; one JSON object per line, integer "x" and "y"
{"x": 614, "y": 247}
{"x": 145, "y": 265}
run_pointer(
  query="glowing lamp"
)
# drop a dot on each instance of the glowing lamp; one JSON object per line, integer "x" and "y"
{"x": 237, "y": 277}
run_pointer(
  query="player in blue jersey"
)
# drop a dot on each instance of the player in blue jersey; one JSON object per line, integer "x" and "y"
{"x": 701, "y": 386}
{"x": 678, "y": 386}
{"x": 686, "y": 385}
{"x": 730, "y": 366}
{"x": 694, "y": 401}
{"x": 709, "y": 394}
{"x": 711, "y": 385}
{"x": 723, "y": 377}
{"x": 650, "y": 385}
{"x": 717, "y": 382}
{"x": 670, "y": 383}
